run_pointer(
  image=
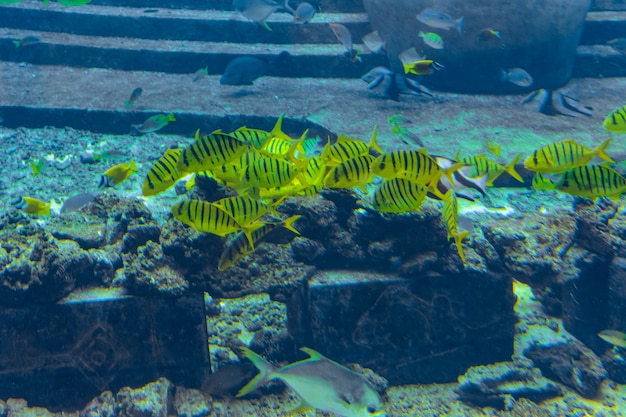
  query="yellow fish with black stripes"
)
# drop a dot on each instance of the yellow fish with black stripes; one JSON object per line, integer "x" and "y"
{"x": 593, "y": 181}
{"x": 564, "y": 155}
{"x": 244, "y": 210}
{"x": 414, "y": 165}
{"x": 272, "y": 171}
{"x": 163, "y": 174}
{"x": 209, "y": 152}
{"x": 347, "y": 148}
{"x": 451, "y": 217}
{"x": 616, "y": 120}
{"x": 209, "y": 218}
{"x": 483, "y": 165}
{"x": 240, "y": 246}
{"x": 354, "y": 172}
{"x": 399, "y": 195}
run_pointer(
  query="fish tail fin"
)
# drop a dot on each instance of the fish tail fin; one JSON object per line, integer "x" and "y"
{"x": 288, "y": 8}
{"x": 171, "y": 118}
{"x": 133, "y": 166}
{"x": 373, "y": 143}
{"x": 17, "y": 43}
{"x": 504, "y": 76}
{"x": 458, "y": 240}
{"x": 407, "y": 68}
{"x": 288, "y": 223}
{"x": 265, "y": 368}
{"x": 600, "y": 151}
{"x": 448, "y": 172}
{"x": 297, "y": 145}
{"x": 510, "y": 169}
{"x": 459, "y": 24}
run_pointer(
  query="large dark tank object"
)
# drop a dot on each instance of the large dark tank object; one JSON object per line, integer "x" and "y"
{"x": 539, "y": 36}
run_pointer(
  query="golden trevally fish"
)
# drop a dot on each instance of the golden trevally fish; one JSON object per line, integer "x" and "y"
{"x": 320, "y": 383}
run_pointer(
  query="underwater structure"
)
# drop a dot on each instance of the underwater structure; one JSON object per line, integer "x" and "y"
{"x": 126, "y": 286}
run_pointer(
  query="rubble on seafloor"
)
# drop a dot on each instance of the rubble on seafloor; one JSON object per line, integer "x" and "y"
{"x": 114, "y": 242}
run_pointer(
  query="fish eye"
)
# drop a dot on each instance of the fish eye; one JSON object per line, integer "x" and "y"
{"x": 371, "y": 409}
{"x": 382, "y": 165}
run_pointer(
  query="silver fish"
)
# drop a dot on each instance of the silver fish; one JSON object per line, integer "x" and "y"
{"x": 410, "y": 55}
{"x": 343, "y": 35}
{"x": 260, "y": 10}
{"x": 320, "y": 383}
{"x": 77, "y": 202}
{"x": 517, "y": 76}
{"x": 304, "y": 13}
{"x": 437, "y": 19}
{"x": 374, "y": 42}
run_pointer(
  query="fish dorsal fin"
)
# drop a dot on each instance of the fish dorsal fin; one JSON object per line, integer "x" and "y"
{"x": 313, "y": 354}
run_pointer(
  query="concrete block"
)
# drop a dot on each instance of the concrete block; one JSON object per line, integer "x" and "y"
{"x": 422, "y": 330}
{"x": 60, "y": 356}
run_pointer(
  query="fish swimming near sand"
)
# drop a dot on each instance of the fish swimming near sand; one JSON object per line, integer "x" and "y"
{"x": 321, "y": 384}
{"x": 592, "y": 182}
{"x": 75, "y": 203}
{"x": 374, "y": 42}
{"x": 392, "y": 85}
{"x": 244, "y": 70}
{"x": 260, "y": 10}
{"x": 27, "y": 41}
{"x": 117, "y": 174}
{"x": 563, "y": 155}
{"x": 133, "y": 98}
{"x": 614, "y": 337}
{"x": 344, "y": 36}
{"x": 616, "y": 120}
{"x": 437, "y": 19}
{"x": 304, "y": 13}
{"x": 517, "y": 76}
{"x": 32, "y": 206}
{"x": 154, "y": 123}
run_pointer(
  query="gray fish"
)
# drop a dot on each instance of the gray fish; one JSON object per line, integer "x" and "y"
{"x": 374, "y": 42}
{"x": 133, "y": 97}
{"x": 409, "y": 56}
{"x": 517, "y": 76}
{"x": 245, "y": 69}
{"x": 437, "y": 19}
{"x": 343, "y": 35}
{"x": 321, "y": 384}
{"x": 77, "y": 202}
{"x": 260, "y": 10}
{"x": 304, "y": 13}
{"x": 27, "y": 41}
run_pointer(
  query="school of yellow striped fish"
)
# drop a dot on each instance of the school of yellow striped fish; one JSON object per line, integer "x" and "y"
{"x": 266, "y": 167}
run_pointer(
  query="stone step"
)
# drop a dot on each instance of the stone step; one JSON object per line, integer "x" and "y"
{"x": 307, "y": 60}
{"x": 599, "y": 61}
{"x": 323, "y": 5}
{"x": 603, "y": 26}
{"x": 190, "y": 25}
{"x": 221, "y": 23}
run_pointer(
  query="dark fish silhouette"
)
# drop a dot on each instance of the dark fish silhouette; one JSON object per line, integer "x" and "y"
{"x": 245, "y": 69}
{"x": 392, "y": 84}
